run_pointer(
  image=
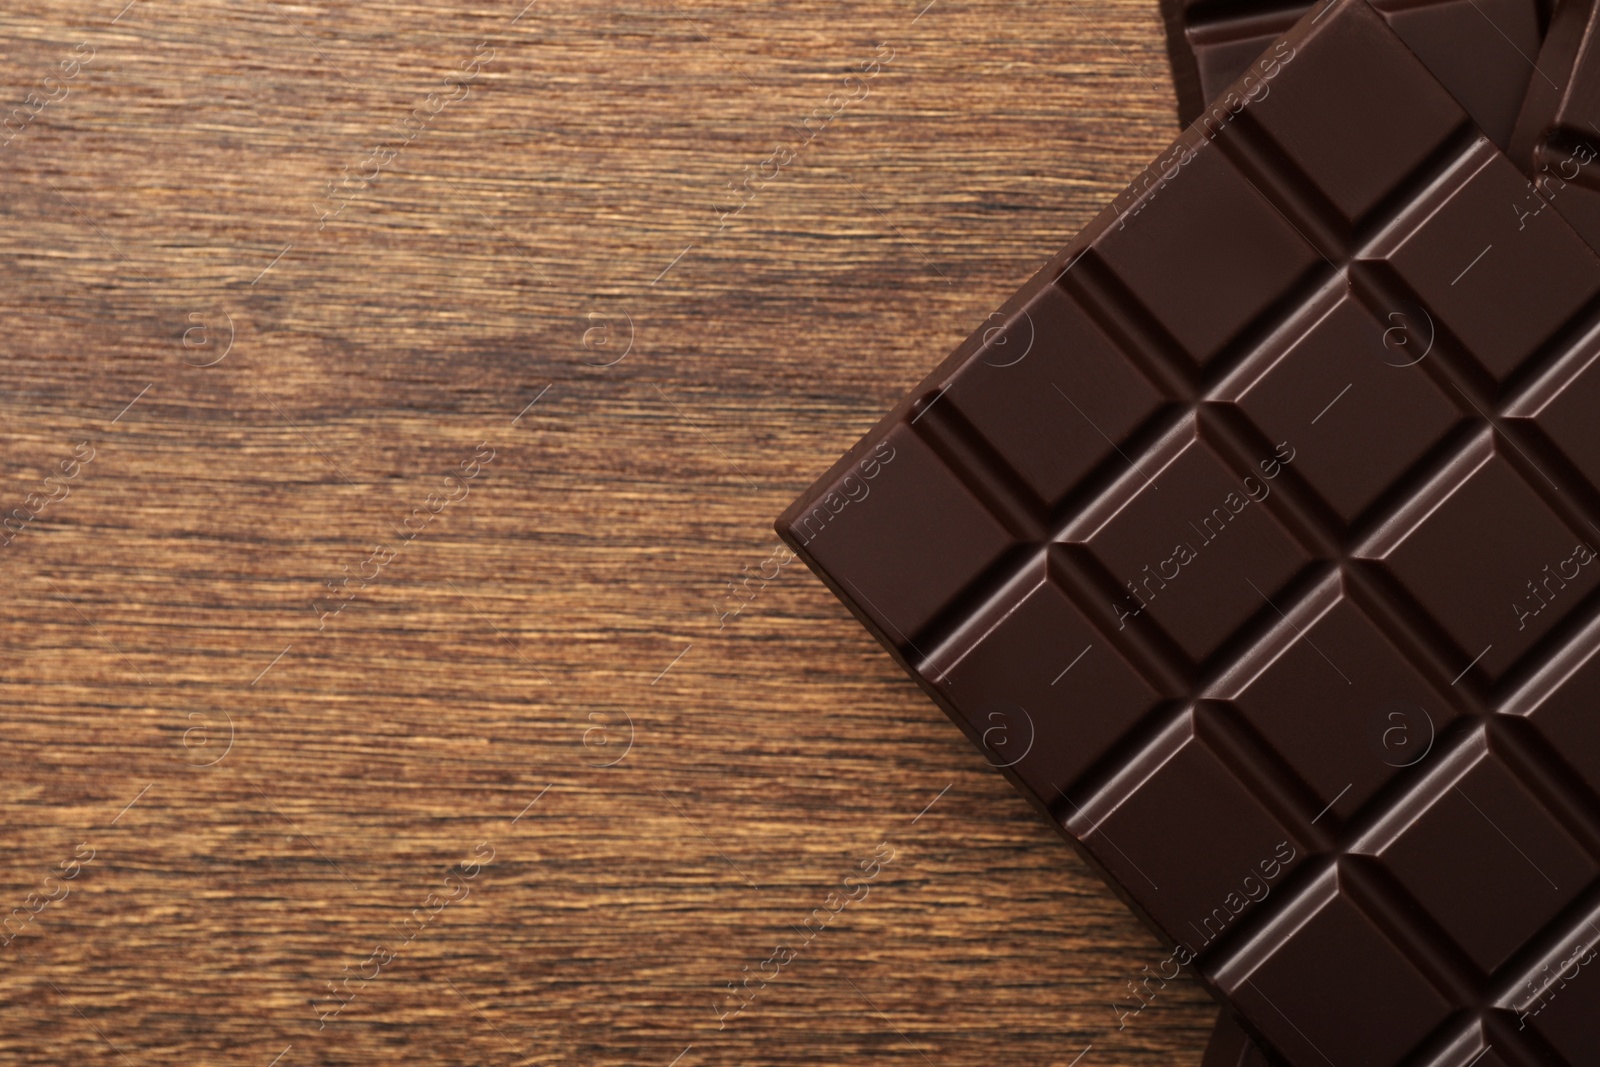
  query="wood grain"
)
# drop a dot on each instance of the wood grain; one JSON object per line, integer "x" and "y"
{"x": 271, "y": 789}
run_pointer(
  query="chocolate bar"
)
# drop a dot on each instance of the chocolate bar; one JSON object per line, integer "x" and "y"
{"x": 1480, "y": 50}
{"x": 1557, "y": 135}
{"x": 1254, "y": 539}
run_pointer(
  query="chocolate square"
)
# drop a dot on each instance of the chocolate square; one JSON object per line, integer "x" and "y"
{"x": 1050, "y": 393}
{"x": 1207, "y": 254}
{"x": 1334, "y": 988}
{"x": 1368, "y": 714}
{"x": 1494, "y": 563}
{"x": 1351, "y": 451}
{"x": 1194, "y": 550}
{"x": 1502, "y": 284}
{"x": 1485, "y": 830}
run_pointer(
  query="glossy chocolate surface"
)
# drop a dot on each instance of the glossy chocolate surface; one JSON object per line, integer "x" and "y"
{"x": 1481, "y": 50}
{"x": 1255, "y": 540}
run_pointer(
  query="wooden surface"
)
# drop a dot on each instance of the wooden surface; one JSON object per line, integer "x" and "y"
{"x": 254, "y": 783}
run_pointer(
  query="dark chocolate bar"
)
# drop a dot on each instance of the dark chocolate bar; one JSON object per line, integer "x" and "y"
{"x": 1255, "y": 541}
{"x": 1557, "y": 137}
{"x": 1483, "y": 51}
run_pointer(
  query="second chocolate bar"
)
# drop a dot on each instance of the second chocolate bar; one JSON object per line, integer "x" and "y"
{"x": 1256, "y": 542}
{"x": 1481, "y": 50}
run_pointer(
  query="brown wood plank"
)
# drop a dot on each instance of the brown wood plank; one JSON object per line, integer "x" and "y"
{"x": 165, "y": 202}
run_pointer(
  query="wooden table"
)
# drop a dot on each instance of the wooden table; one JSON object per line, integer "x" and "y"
{"x": 391, "y": 393}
